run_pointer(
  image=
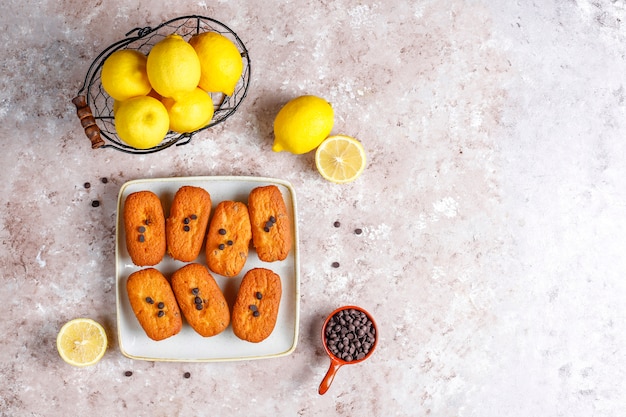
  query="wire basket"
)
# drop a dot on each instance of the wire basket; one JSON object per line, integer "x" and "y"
{"x": 95, "y": 107}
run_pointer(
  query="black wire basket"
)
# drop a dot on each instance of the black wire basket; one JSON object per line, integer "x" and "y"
{"x": 95, "y": 107}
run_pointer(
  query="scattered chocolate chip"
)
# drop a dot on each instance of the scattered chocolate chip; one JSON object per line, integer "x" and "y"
{"x": 229, "y": 243}
{"x": 193, "y": 217}
{"x": 87, "y": 185}
{"x": 256, "y": 314}
{"x": 222, "y": 231}
{"x": 195, "y": 291}
{"x": 161, "y": 304}
{"x": 104, "y": 180}
{"x": 186, "y": 228}
{"x": 141, "y": 229}
{"x": 221, "y": 246}
{"x": 128, "y": 373}
{"x": 259, "y": 295}
{"x": 187, "y": 375}
{"x": 149, "y": 300}
{"x": 335, "y": 264}
{"x": 337, "y": 224}
{"x": 142, "y": 238}
{"x": 95, "y": 203}
{"x": 161, "y": 313}
{"x": 358, "y": 231}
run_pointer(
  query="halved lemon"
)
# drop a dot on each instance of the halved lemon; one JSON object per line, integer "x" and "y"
{"x": 340, "y": 158}
{"x": 81, "y": 342}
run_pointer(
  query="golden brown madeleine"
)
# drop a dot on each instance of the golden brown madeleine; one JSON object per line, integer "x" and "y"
{"x": 186, "y": 225}
{"x": 200, "y": 299}
{"x": 154, "y": 304}
{"x": 256, "y": 307}
{"x": 271, "y": 226}
{"x": 228, "y": 238}
{"x": 144, "y": 225}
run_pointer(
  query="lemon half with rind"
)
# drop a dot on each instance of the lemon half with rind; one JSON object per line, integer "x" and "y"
{"x": 82, "y": 342}
{"x": 340, "y": 159}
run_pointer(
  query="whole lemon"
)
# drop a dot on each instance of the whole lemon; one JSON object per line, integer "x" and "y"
{"x": 141, "y": 122}
{"x": 124, "y": 74}
{"x": 190, "y": 112}
{"x": 220, "y": 62}
{"x": 173, "y": 67}
{"x": 302, "y": 124}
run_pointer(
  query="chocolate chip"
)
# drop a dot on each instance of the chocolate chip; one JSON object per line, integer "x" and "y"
{"x": 267, "y": 229}
{"x": 199, "y": 306}
{"x": 268, "y": 225}
{"x": 87, "y": 185}
{"x": 197, "y": 300}
{"x": 104, "y": 180}
{"x": 142, "y": 238}
{"x": 186, "y": 228}
{"x": 193, "y": 217}
{"x": 259, "y": 295}
{"x": 149, "y": 300}
{"x": 221, "y": 246}
{"x": 337, "y": 224}
{"x": 272, "y": 219}
{"x": 358, "y": 231}
{"x": 128, "y": 373}
{"x": 186, "y": 375}
{"x": 256, "y": 314}
{"x": 195, "y": 291}
{"x": 161, "y": 305}
{"x": 186, "y": 220}
{"x": 161, "y": 313}
{"x": 349, "y": 335}
{"x": 335, "y": 264}
{"x": 141, "y": 229}
{"x": 222, "y": 231}
{"x": 147, "y": 222}
{"x": 253, "y": 307}
{"x": 229, "y": 243}
{"x": 95, "y": 203}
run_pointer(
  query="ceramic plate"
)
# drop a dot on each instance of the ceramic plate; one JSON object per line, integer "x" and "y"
{"x": 188, "y": 345}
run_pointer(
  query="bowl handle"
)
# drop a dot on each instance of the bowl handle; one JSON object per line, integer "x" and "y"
{"x": 83, "y": 111}
{"x": 330, "y": 375}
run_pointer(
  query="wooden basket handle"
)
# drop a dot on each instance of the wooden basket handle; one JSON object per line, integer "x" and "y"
{"x": 83, "y": 111}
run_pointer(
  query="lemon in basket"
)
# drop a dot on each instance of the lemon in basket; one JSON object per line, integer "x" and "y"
{"x": 302, "y": 124}
{"x": 124, "y": 74}
{"x": 81, "y": 342}
{"x": 190, "y": 112}
{"x": 141, "y": 122}
{"x": 173, "y": 67}
{"x": 220, "y": 62}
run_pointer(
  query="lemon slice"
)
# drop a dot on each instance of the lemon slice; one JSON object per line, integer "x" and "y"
{"x": 81, "y": 342}
{"x": 340, "y": 158}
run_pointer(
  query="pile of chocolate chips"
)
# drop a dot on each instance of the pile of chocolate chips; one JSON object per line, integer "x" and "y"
{"x": 350, "y": 335}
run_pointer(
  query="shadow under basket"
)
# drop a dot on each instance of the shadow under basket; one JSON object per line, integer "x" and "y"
{"x": 94, "y": 106}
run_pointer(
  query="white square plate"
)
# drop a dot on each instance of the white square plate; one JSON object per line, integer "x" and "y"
{"x": 188, "y": 345}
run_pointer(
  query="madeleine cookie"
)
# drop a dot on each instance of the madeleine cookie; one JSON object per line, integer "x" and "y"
{"x": 200, "y": 299}
{"x": 271, "y": 227}
{"x": 256, "y": 307}
{"x": 144, "y": 225}
{"x": 154, "y": 304}
{"x": 228, "y": 238}
{"x": 186, "y": 225}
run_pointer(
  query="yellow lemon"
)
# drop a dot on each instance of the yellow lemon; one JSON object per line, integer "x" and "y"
{"x": 340, "y": 159}
{"x": 190, "y": 112}
{"x": 116, "y": 103}
{"x": 141, "y": 122}
{"x": 173, "y": 67}
{"x": 220, "y": 62}
{"x": 124, "y": 74}
{"x": 302, "y": 124}
{"x": 81, "y": 342}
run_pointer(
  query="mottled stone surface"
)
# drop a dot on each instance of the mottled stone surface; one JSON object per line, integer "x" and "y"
{"x": 492, "y": 207}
